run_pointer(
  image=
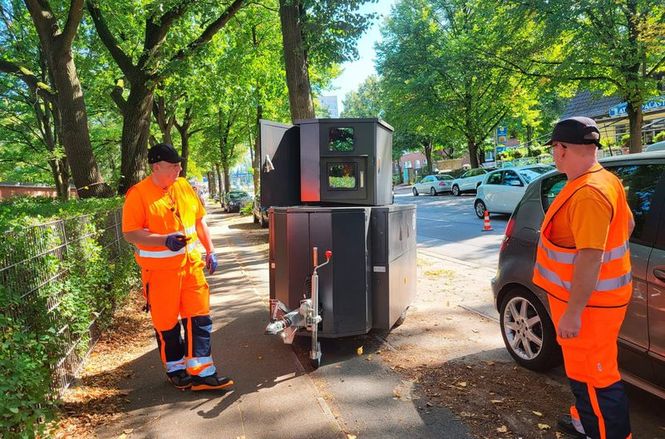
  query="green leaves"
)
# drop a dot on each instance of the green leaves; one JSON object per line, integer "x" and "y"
{"x": 50, "y": 299}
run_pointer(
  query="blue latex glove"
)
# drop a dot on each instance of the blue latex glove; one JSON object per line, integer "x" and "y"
{"x": 211, "y": 262}
{"x": 175, "y": 242}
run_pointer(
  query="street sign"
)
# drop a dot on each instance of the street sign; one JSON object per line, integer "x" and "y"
{"x": 501, "y": 135}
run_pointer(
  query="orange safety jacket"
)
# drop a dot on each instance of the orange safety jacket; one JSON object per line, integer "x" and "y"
{"x": 173, "y": 211}
{"x": 553, "y": 271}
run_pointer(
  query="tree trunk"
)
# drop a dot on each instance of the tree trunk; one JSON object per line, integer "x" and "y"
{"x": 227, "y": 178}
{"x": 219, "y": 180}
{"x": 529, "y": 138}
{"x": 70, "y": 102}
{"x": 75, "y": 135}
{"x": 473, "y": 153}
{"x": 212, "y": 187}
{"x": 295, "y": 60}
{"x": 135, "y": 133}
{"x": 184, "y": 137}
{"x": 635, "y": 118}
{"x": 427, "y": 146}
{"x": 60, "y": 177}
{"x": 256, "y": 159}
{"x": 164, "y": 120}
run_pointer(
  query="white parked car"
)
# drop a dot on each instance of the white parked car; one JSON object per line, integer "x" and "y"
{"x": 433, "y": 185}
{"x": 502, "y": 190}
{"x": 469, "y": 181}
{"x": 658, "y": 146}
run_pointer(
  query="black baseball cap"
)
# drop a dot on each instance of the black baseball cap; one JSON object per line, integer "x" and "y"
{"x": 576, "y": 130}
{"x": 163, "y": 152}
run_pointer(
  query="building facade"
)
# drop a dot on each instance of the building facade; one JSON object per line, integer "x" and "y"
{"x": 610, "y": 113}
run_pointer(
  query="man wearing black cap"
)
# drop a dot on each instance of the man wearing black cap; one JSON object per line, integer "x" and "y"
{"x": 583, "y": 263}
{"x": 164, "y": 218}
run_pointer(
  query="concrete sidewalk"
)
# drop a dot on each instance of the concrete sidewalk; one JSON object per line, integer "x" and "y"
{"x": 274, "y": 396}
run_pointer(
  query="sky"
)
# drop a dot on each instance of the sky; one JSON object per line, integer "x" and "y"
{"x": 354, "y": 73}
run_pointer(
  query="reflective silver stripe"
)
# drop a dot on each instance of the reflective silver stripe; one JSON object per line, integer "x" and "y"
{"x": 562, "y": 257}
{"x": 616, "y": 252}
{"x": 162, "y": 254}
{"x": 172, "y": 366}
{"x": 569, "y": 258}
{"x": 614, "y": 283}
{"x": 553, "y": 277}
{"x": 601, "y": 285}
{"x": 190, "y": 230}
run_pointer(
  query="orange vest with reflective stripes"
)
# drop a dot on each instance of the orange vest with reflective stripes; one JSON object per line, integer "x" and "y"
{"x": 173, "y": 212}
{"x": 553, "y": 271}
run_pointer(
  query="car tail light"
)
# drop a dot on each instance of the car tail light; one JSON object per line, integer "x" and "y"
{"x": 509, "y": 233}
{"x": 442, "y": 183}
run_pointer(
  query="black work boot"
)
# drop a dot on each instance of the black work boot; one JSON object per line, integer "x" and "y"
{"x": 211, "y": 382}
{"x": 180, "y": 379}
{"x": 565, "y": 425}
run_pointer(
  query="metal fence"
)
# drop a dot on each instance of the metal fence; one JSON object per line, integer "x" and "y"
{"x": 42, "y": 261}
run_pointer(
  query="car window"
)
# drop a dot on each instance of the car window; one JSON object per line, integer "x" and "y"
{"x": 443, "y": 177}
{"x": 640, "y": 183}
{"x": 550, "y": 188}
{"x": 531, "y": 174}
{"x": 425, "y": 180}
{"x": 494, "y": 178}
{"x": 510, "y": 177}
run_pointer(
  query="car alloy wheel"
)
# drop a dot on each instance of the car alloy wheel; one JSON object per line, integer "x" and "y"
{"x": 432, "y": 192}
{"x": 480, "y": 209}
{"x": 527, "y": 331}
{"x": 415, "y": 192}
{"x": 456, "y": 191}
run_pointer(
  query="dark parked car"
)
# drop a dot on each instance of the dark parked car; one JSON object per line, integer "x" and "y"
{"x": 233, "y": 201}
{"x": 260, "y": 213}
{"x": 526, "y": 327}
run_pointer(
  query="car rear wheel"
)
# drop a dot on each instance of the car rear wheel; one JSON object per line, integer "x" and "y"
{"x": 456, "y": 191}
{"x": 527, "y": 331}
{"x": 432, "y": 192}
{"x": 480, "y": 208}
{"x": 415, "y": 192}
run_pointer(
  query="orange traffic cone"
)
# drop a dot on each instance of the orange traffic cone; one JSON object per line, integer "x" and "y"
{"x": 487, "y": 227}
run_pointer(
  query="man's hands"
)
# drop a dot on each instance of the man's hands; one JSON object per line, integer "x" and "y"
{"x": 211, "y": 262}
{"x": 570, "y": 324}
{"x": 176, "y": 241}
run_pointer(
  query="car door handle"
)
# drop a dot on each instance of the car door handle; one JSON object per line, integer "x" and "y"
{"x": 660, "y": 274}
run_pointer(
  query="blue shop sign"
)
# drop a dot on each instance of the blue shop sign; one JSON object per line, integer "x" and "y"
{"x": 653, "y": 104}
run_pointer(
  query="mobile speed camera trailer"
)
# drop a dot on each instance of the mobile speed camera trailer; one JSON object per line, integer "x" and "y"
{"x": 328, "y": 183}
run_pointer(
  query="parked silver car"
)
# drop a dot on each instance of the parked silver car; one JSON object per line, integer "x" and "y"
{"x": 526, "y": 327}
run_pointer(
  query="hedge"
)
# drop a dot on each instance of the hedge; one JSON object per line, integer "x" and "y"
{"x": 64, "y": 269}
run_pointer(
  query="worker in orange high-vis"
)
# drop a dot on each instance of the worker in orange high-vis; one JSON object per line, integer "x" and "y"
{"x": 164, "y": 218}
{"x": 583, "y": 263}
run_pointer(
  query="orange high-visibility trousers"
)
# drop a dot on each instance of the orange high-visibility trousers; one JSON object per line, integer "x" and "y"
{"x": 184, "y": 294}
{"x": 590, "y": 360}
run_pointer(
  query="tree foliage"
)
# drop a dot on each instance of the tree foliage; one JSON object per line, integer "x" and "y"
{"x": 611, "y": 46}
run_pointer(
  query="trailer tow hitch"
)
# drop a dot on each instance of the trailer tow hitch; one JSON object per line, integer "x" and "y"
{"x": 286, "y": 323}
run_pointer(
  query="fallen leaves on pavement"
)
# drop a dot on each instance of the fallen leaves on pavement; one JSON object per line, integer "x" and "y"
{"x": 95, "y": 399}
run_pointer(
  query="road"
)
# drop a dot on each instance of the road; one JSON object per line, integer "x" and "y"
{"x": 448, "y": 227}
